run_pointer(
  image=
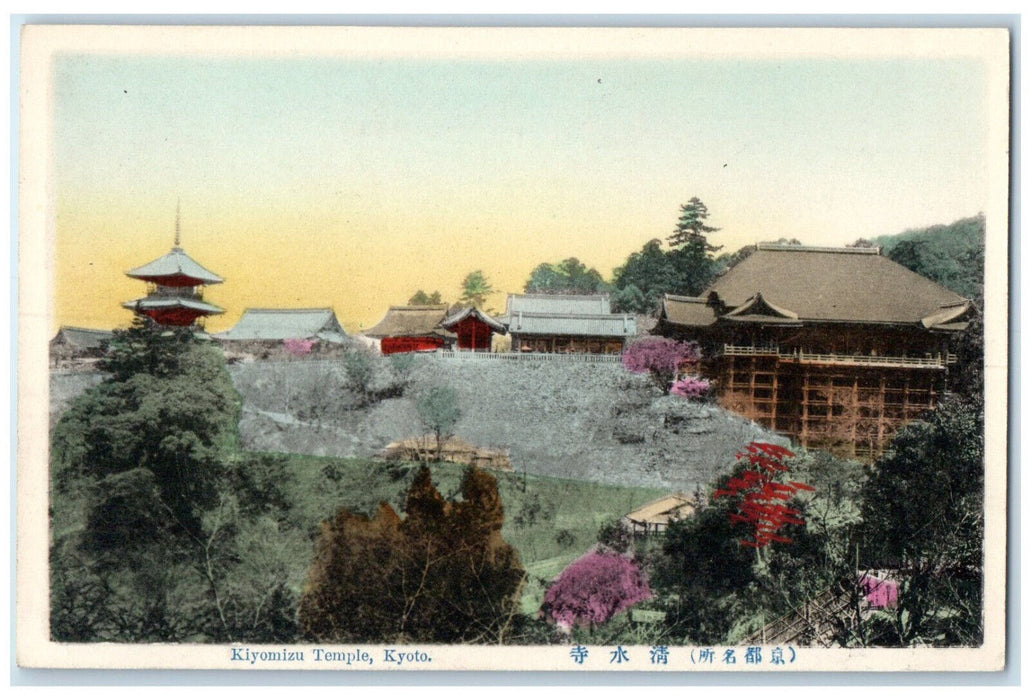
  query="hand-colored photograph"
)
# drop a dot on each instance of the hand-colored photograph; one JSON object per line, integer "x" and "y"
{"x": 384, "y": 348}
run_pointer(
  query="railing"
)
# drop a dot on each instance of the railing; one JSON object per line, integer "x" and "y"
{"x": 816, "y": 618}
{"x": 937, "y": 361}
{"x": 749, "y": 350}
{"x": 528, "y": 356}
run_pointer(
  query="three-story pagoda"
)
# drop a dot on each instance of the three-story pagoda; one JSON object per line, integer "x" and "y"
{"x": 175, "y": 288}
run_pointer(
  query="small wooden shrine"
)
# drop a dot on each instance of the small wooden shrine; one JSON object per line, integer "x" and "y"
{"x": 474, "y": 328}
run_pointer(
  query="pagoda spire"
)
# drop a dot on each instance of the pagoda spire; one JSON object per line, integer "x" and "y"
{"x": 176, "y": 246}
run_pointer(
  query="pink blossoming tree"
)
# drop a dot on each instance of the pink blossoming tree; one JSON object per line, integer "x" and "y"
{"x": 690, "y": 387}
{"x": 298, "y": 347}
{"x": 593, "y": 588}
{"x": 660, "y": 357}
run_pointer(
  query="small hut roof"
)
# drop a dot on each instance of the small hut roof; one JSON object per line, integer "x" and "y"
{"x": 662, "y": 510}
{"x": 284, "y": 324}
{"x": 175, "y": 264}
{"x": 84, "y": 338}
{"x": 462, "y": 314}
{"x": 411, "y": 322}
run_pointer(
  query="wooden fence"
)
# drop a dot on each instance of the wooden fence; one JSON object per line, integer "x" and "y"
{"x": 936, "y": 361}
{"x": 529, "y": 356}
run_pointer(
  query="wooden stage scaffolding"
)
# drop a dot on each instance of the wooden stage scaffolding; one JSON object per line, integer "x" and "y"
{"x": 849, "y": 404}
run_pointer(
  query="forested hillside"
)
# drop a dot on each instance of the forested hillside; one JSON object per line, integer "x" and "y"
{"x": 950, "y": 254}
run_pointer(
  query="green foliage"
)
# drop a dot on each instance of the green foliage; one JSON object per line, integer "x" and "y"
{"x": 703, "y": 575}
{"x": 421, "y": 298}
{"x": 715, "y": 590}
{"x": 691, "y": 227}
{"x": 951, "y": 255}
{"x": 442, "y": 575}
{"x": 643, "y": 279}
{"x": 475, "y": 289}
{"x": 923, "y": 514}
{"x": 966, "y": 376}
{"x": 923, "y": 505}
{"x": 179, "y": 538}
{"x": 691, "y": 252}
{"x": 567, "y": 277}
{"x": 439, "y": 410}
{"x": 688, "y": 267}
{"x": 616, "y": 536}
{"x": 176, "y": 424}
{"x": 359, "y": 365}
{"x": 147, "y": 348}
{"x": 402, "y": 365}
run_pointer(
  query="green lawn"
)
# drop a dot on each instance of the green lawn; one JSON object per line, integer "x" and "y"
{"x": 549, "y": 521}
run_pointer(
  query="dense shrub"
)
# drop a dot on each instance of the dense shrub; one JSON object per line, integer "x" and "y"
{"x": 690, "y": 387}
{"x": 442, "y": 574}
{"x": 593, "y": 588}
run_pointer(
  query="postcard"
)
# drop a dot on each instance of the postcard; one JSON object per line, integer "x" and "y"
{"x": 512, "y": 348}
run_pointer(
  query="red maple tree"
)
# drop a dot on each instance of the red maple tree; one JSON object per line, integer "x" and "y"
{"x": 763, "y": 495}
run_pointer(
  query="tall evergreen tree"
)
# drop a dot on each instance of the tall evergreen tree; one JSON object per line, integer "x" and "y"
{"x": 691, "y": 251}
{"x": 475, "y": 289}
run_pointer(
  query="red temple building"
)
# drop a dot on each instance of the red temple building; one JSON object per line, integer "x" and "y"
{"x": 175, "y": 288}
{"x": 474, "y": 329}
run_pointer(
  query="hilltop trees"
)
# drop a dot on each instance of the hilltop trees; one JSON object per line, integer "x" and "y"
{"x": 475, "y": 289}
{"x": 443, "y": 574}
{"x": 643, "y": 279}
{"x": 421, "y": 298}
{"x": 567, "y": 277}
{"x": 687, "y": 267}
{"x": 952, "y": 255}
{"x": 691, "y": 250}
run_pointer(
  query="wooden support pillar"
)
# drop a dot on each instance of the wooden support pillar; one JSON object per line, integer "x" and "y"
{"x": 804, "y": 436}
{"x": 881, "y": 417}
{"x": 855, "y": 409}
{"x": 752, "y": 408}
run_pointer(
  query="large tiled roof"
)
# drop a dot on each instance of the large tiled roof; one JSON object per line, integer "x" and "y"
{"x": 685, "y": 311}
{"x": 832, "y": 284}
{"x": 558, "y": 304}
{"x": 411, "y": 321}
{"x": 597, "y": 325}
{"x": 175, "y": 264}
{"x": 284, "y": 324}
